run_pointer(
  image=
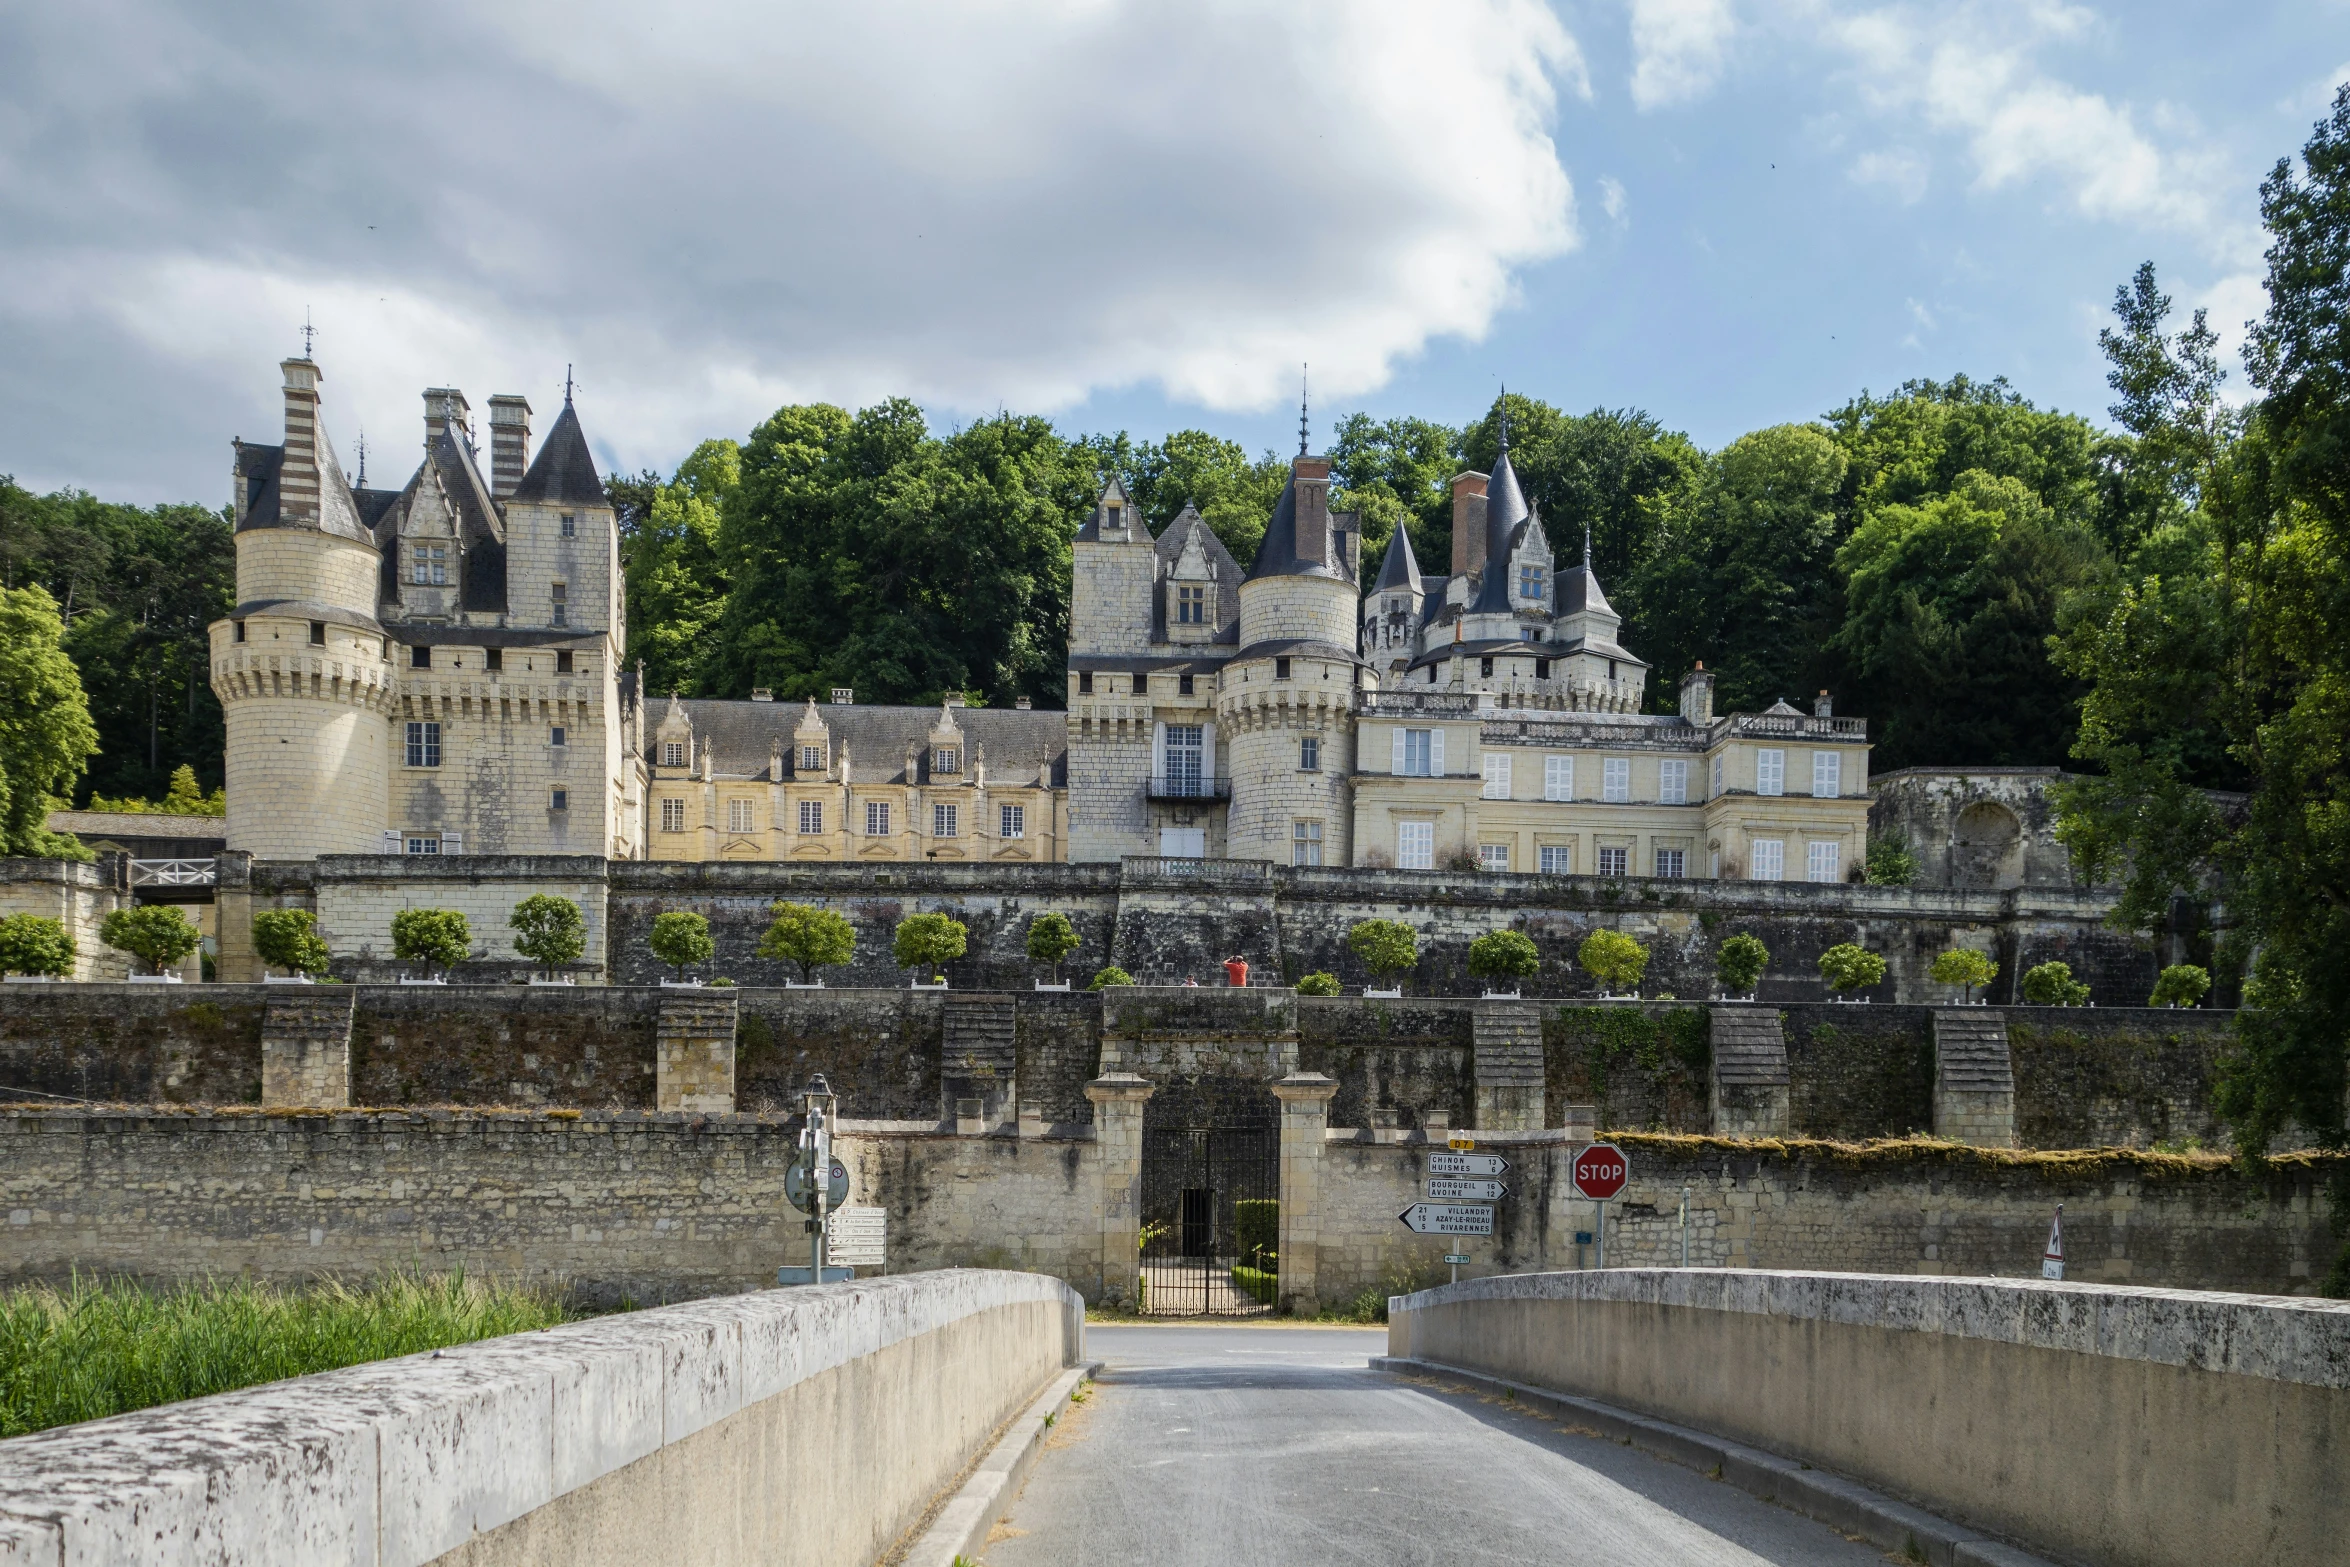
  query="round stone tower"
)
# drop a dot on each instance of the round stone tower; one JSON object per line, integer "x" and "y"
{"x": 302, "y": 667}
{"x": 1285, "y": 704}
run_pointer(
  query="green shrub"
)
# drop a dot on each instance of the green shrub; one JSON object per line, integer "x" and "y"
{"x": 433, "y": 937}
{"x": 1104, "y": 979}
{"x": 926, "y": 941}
{"x": 35, "y": 944}
{"x": 1258, "y": 1285}
{"x": 1848, "y": 967}
{"x": 681, "y": 939}
{"x": 1318, "y": 983}
{"x": 550, "y": 931}
{"x": 1051, "y": 938}
{"x": 1740, "y": 963}
{"x": 158, "y": 935}
{"x": 1504, "y": 954}
{"x": 2181, "y": 985}
{"x": 1256, "y": 1230}
{"x": 1966, "y": 968}
{"x": 1890, "y": 864}
{"x": 811, "y": 937}
{"x": 2053, "y": 985}
{"x": 289, "y": 939}
{"x": 1384, "y": 946}
{"x": 1615, "y": 959}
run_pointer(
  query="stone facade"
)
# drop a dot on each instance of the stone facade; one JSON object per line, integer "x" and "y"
{"x": 78, "y": 896}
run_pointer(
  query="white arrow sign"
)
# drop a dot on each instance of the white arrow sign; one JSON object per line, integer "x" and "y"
{"x": 1430, "y": 1218}
{"x": 1467, "y": 1164}
{"x": 1467, "y": 1191}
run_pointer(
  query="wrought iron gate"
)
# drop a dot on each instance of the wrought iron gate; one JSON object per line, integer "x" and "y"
{"x": 1210, "y": 1220}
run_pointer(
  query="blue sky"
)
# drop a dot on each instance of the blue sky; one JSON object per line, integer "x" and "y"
{"x": 1115, "y": 213}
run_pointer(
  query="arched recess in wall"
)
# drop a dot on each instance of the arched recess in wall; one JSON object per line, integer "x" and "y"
{"x": 1987, "y": 847}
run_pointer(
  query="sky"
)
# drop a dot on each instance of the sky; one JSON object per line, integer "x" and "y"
{"x": 1119, "y": 215}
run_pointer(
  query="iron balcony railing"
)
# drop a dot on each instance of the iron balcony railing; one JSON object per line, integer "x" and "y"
{"x": 174, "y": 873}
{"x": 1183, "y": 787}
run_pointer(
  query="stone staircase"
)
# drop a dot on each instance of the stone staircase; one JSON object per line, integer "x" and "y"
{"x": 981, "y": 1059}
{"x": 1974, "y": 1077}
{"x": 306, "y": 1047}
{"x": 1507, "y": 1040}
{"x": 693, "y": 1052}
{"x": 1749, "y": 1095}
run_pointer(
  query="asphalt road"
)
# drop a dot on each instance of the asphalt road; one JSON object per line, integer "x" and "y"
{"x": 1275, "y": 1446}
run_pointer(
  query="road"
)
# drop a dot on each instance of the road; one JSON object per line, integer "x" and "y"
{"x": 1278, "y": 1447}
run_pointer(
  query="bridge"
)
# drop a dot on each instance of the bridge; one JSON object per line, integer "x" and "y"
{"x": 1629, "y": 1415}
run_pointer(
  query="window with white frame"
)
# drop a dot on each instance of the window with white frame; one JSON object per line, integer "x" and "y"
{"x": 1615, "y": 779}
{"x": 1415, "y": 846}
{"x": 1191, "y": 606}
{"x": 1530, "y": 582}
{"x": 424, "y": 846}
{"x": 740, "y": 816}
{"x": 673, "y": 753}
{"x": 1416, "y": 752}
{"x": 1557, "y": 859}
{"x": 1672, "y": 782}
{"x": 561, "y": 597}
{"x": 1770, "y": 772}
{"x": 1613, "y": 862}
{"x": 1309, "y": 758}
{"x": 1497, "y": 776}
{"x": 811, "y": 758}
{"x": 1824, "y": 861}
{"x": 424, "y": 745}
{"x": 570, "y": 526}
{"x": 1305, "y": 839}
{"x": 1187, "y": 756}
{"x": 1672, "y": 863}
{"x": 673, "y": 816}
{"x": 1493, "y": 856}
{"x": 1558, "y": 778}
{"x": 876, "y": 818}
{"x": 1717, "y": 789}
{"x": 1011, "y": 821}
{"x": 946, "y": 759}
{"x": 811, "y": 816}
{"x": 1766, "y": 860}
{"x": 430, "y": 566}
{"x": 945, "y": 821}
{"x": 1827, "y": 775}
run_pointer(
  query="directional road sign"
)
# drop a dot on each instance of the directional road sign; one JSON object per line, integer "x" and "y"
{"x": 1436, "y": 1218}
{"x": 1467, "y": 1164}
{"x": 1601, "y": 1170}
{"x": 1443, "y": 1190}
{"x": 1456, "y": 1258}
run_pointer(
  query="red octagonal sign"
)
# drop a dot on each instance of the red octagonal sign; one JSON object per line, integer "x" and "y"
{"x": 1601, "y": 1171}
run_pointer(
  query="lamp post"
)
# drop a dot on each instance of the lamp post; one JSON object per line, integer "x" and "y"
{"x": 816, "y": 1144}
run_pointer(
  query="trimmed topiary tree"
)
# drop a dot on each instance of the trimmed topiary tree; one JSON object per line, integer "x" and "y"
{"x": 811, "y": 937}
{"x": 1614, "y": 959}
{"x": 1966, "y": 968}
{"x": 1504, "y": 954}
{"x": 548, "y": 930}
{"x": 1740, "y": 963}
{"x": 1256, "y": 1232}
{"x": 1385, "y": 946}
{"x": 681, "y": 939}
{"x": 2180, "y": 985}
{"x": 35, "y": 944}
{"x": 1051, "y": 938}
{"x": 1106, "y": 978}
{"x": 2052, "y": 985}
{"x": 1318, "y": 983}
{"x": 289, "y": 939}
{"x": 929, "y": 941}
{"x": 158, "y": 935}
{"x": 436, "y": 938}
{"x": 1847, "y": 968}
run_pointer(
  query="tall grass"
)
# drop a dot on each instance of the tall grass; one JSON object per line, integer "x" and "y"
{"x": 94, "y": 1349}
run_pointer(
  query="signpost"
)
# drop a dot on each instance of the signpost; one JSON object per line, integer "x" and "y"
{"x": 854, "y": 1237}
{"x": 1467, "y": 1191}
{"x": 1460, "y": 1185}
{"x": 2052, "y": 1260}
{"x": 812, "y": 1195}
{"x": 1467, "y": 1164}
{"x": 1599, "y": 1172}
{"x": 1437, "y": 1218}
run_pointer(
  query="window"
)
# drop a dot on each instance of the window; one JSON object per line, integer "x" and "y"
{"x": 673, "y": 816}
{"x": 1542, "y": 669}
{"x": 1415, "y": 846}
{"x": 1011, "y": 821}
{"x": 1717, "y": 790}
{"x": 1827, "y": 774}
{"x": 1497, "y": 777}
{"x": 1530, "y": 582}
{"x": 1485, "y": 668}
{"x": 944, "y": 821}
{"x": 1823, "y": 861}
{"x": 318, "y": 633}
{"x": 1770, "y": 772}
{"x": 558, "y": 735}
{"x": 1672, "y": 863}
{"x": 240, "y": 629}
{"x": 420, "y": 658}
{"x": 947, "y": 759}
{"x": 1191, "y": 606}
{"x": 493, "y": 658}
{"x": 1612, "y": 861}
{"x": 741, "y": 816}
{"x": 1281, "y": 669}
{"x": 1419, "y": 753}
{"x": 876, "y": 818}
{"x": 1186, "y": 758}
{"x": 1558, "y": 778}
{"x": 1672, "y": 783}
{"x": 811, "y": 816}
{"x": 1309, "y": 759}
{"x": 673, "y": 753}
{"x": 1493, "y": 856}
{"x": 1558, "y": 859}
{"x": 1142, "y": 685}
{"x": 424, "y": 745}
{"x": 1183, "y": 686}
{"x": 811, "y": 758}
{"x": 569, "y": 526}
{"x": 559, "y": 800}
{"x": 424, "y": 846}
{"x": 1766, "y": 860}
{"x": 429, "y": 565}
{"x": 1615, "y": 779}
{"x": 1306, "y": 843}
{"x": 1085, "y": 683}
{"x": 563, "y": 663}
{"x": 562, "y": 604}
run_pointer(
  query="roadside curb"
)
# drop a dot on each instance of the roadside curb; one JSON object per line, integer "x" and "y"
{"x": 962, "y": 1525}
{"x": 1840, "y": 1503}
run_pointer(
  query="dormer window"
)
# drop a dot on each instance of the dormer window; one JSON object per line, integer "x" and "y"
{"x": 429, "y": 566}
{"x": 946, "y": 759}
{"x": 1191, "y": 606}
{"x": 811, "y": 758}
{"x": 1530, "y": 582}
{"x": 1112, "y": 517}
{"x": 673, "y": 753}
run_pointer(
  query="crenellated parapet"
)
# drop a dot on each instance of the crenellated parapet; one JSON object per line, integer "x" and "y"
{"x": 1254, "y": 710}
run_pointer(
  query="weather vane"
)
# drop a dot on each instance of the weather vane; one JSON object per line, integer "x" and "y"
{"x": 567, "y": 386}
{"x": 362, "y": 460}
{"x": 308, "y": 332}
{"x": 1303, "y": 439}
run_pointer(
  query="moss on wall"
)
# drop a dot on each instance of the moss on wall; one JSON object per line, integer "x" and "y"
{"x": 1645, "y": 1066}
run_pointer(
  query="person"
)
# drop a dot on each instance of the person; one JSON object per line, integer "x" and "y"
{"x": 1190, "y": 984}
{"x": 1236, "y": 972}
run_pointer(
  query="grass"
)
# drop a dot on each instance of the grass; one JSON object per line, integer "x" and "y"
{"x": 91, "y": 1350}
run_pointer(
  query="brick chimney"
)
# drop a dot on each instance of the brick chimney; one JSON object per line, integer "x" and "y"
{"x": 445, "y": 406}
{"x": 1697, "y": 695}
{"x": 1313, "y": 508}
{"x": 1468, "y": 523}
{"x": 509, "y": 442}
{"x": 297, "y": 477}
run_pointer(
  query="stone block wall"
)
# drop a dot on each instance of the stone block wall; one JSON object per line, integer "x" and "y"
{"x": 132, "y": 1044}
{"x": 1030, "y": 1204}
{"x": 76, "y": 894}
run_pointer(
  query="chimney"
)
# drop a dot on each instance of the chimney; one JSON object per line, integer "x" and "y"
{"x": 445, "y": 406}
{"x": 1468, "y": 523}
{"x": 1697, "y": 695}
{"x": 762, "y": 694}
{"x": 1824, "y": 707}
{"x": 1020, "y": 704}
{"x": 1312, "y": 475}
{"x": 297, "y": 477}
{"x": 509, "y": 442}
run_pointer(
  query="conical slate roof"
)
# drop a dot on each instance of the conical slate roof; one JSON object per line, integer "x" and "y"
{"x": 1579, "y": 587}
{"x": 564, "y": 472}
{"x": 1401, "y": 569}
{"x": 1505, "y": 508}
{"x": 1277, "y": 554}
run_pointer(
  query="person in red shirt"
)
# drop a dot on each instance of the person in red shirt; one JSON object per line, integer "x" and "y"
{"x": 1236, "y": 972}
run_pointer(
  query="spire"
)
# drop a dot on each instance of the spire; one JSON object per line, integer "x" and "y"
{"x": 1586, "y": 545}
{"x": 1304, "y": 441}
{"x": 564, "y": 473}
{"x": 1401, "y": 569}
{"x": 308, "y": 332}
{"x": 1505, "y": 419}
{"x": 567, "y": 386}
{"x": 1505, "y": 510}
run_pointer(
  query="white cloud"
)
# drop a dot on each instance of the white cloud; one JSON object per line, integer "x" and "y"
{"x": 719, "y": 205}
{"x": 1678, "y": 49}
{"x": 1899, "y": 170}
{"x": 1612, "y": 199}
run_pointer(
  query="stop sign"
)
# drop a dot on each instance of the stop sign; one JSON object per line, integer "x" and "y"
{"x": 1600, "y": 1171}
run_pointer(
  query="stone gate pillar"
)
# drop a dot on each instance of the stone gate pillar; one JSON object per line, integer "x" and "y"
{"x": 1117, "y": 1129}
{"x": 1305, "y": 1114}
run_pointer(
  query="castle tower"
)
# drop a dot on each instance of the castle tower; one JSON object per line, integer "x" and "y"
{"x": 302, "y": 667}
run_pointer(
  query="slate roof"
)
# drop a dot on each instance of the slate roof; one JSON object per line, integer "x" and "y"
{"x": 1506, "y": 512}
{"x": 1578, "y": 592}
{"x": 1277, "y": 556}
{"x": 338, "y": 511}
{"x": 1170, "y": 545}
{"x": 1015, "y": 743}
{"x": 1090, "y": 531}
{"x": 564, "y": 472}
{"x": 1401, "y": 569}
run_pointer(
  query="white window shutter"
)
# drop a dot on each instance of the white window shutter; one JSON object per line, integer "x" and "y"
{"x": 1395, "y": 762}
{"x": 452, "y": 843}
{"x": 1436, "y": 753}
{"x": 393, "y": 843}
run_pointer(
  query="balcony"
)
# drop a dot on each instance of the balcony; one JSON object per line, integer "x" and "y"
{"x": 1202, "y": 790}
{"x": 175, "y": 873}
{"x": 1795, "y": 724}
